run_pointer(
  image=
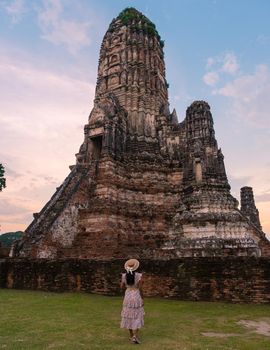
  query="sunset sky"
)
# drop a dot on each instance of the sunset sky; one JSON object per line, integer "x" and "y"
{"x": 215, "y": 50}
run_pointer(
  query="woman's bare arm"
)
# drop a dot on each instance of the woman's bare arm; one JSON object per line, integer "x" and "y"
{"x": 122, "y": 284}
{"x": 140, "y": 287}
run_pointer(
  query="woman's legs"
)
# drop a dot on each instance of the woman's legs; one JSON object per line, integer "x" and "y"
{"x": 135, "y": 336}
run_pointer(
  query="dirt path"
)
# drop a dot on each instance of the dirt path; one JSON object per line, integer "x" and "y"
{"x": 260, "y": 327}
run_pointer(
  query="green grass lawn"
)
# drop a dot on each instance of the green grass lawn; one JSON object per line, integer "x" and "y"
{"x": 39, "y": 320}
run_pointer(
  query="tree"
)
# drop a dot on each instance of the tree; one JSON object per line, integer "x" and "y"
{"x": 2, "y": 178}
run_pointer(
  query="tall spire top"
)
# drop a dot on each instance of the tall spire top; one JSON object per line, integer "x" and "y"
{"x": 132, "y": 68}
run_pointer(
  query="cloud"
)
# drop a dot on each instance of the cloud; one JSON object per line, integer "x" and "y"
{"x": 15, "y": 212}
{"x": 41, "y": 97}
{"x": 61, "y": 31}
{"x": 44, "y": 105}
{"x": 24, "y": 195}
{"x": 230, "y": 64}
{"x": 16, "y": 9}
{"x": 249, "y": 95}
{"x": 264, "y": 197}
{"x": 11, "y": 173}
{"x": 210, "y": 62}
{"x": 225, "y": 64}
{"x": 211, "y": 78}
{"x": 42, "y": 113}
{"x": 237, "y": 182}
{"x": 8, "y": 208}
{"x": 249, "y": 86}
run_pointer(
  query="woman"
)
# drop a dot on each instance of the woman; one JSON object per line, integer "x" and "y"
{"x": 132, "y": 312}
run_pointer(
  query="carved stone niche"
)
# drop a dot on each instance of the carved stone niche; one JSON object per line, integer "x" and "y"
{"x": 115, "y": 40}
{"x": 198, "y": 170}
{"x": 113, "y": 81}
{"x": 114, "y": 59}
{"x": 96, "y": 117}
{"x": 95, "y": 145}
{"x": 95, "y": 141}
{"x": 114, "y": 69}
{"x": 104, "y": 109}
{"x": 95, "y": 132}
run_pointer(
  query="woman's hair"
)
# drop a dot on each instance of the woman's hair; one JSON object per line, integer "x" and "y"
{"x": 130, "y": 277}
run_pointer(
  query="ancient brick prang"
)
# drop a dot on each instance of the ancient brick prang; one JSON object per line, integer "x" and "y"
{"x": 144, "y": 185}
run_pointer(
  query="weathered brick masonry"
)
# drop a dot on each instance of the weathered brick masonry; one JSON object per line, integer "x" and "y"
{"x": 232, "y": 279}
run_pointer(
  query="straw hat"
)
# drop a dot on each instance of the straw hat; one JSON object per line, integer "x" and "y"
{"x": 131, "y": 265}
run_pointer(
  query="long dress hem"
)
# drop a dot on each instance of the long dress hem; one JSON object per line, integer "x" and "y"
{"x": 132, "y": 314}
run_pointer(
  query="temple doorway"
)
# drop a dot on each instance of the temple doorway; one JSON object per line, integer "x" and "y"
{"x": 96, "y": 147}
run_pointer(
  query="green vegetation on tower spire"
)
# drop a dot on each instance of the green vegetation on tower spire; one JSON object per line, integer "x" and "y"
{"x": 138, "y": 22}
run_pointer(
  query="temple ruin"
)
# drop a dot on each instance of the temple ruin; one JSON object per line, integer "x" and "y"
{"x": 144, "y": 185}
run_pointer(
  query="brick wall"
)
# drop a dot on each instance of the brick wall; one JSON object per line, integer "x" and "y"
{"x": 210, "y": 279}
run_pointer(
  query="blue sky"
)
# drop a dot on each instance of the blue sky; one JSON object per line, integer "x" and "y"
{"x": 218, "y": 51}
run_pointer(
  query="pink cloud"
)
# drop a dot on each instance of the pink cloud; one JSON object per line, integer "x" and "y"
{"x": 15, "y": 9}
{"x": 250, "y": 96}
{"x": 60, "y": 31}
{"x": 211, "y": 78}
{"x": 42, "y": 113}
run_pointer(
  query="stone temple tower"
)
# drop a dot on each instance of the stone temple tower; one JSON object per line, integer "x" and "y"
{"x": 248, "y": 207}
{"x": 144, "y": 185}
